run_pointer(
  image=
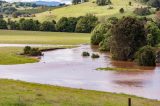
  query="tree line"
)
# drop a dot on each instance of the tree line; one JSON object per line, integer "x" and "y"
{"x": 82, "y": 24}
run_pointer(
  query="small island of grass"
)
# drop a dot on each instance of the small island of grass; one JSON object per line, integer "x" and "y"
{"x": 117, "y": 69}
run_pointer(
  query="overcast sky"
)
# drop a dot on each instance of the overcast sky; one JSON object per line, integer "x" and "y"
{"x": 63, "y": 1}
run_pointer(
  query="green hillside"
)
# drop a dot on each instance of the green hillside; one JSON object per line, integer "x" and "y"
{"x": 90, "y": 7}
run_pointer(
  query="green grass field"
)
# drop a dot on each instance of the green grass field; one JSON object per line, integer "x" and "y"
{"x": 33, "y": 37}
{"x": 17, "y": 93}
{"x": 90, "y": 7}
{"x": 9, "y": 55}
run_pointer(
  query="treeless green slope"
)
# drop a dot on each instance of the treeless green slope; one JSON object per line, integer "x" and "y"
{"x": 89, "y": 7}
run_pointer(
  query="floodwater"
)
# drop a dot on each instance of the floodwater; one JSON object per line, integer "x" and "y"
{"x": 66, "y": 67}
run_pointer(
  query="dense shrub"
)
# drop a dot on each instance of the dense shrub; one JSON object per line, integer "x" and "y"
{"x": 153, "y": 34}
{"x": 86, "y": 24}
{"x": 3, "y": 24}
{"x": 99, "y": 33}
{"x": 95, "y": 55}
{"x": 121, "y": 10}
{"x": 35, "y": 52}
{"x": 85, "y": 54}
{"x": 32, "y": 51}
{"x": 146, "y": 56}
{"x": 142, "y": 11}
{"x": 47, "y": 26}
{"x": 26, "y": 50}
{"x": 128, "y": 35}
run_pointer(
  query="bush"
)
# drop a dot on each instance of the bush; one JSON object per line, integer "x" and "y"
{"x": 146, "y": 56}
{"x": 32, "y": 51}
{"x": 95, "y": 55}
{"x": 26, "y": 50}
{"x": 128, "y": 35}
{"x": 85, "y": 54}
{"x": 121, "y": 10}
{"x": 35, "y": 52}
{"x": 142, "y": 11}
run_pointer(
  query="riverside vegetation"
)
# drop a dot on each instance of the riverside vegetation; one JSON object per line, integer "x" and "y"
{"x": 141, "y": 36}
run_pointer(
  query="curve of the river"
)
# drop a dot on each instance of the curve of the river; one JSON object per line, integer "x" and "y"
{"x": 66, "y": 67}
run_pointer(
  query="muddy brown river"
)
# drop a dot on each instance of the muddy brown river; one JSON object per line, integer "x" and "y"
{"x": 66, "y": 67}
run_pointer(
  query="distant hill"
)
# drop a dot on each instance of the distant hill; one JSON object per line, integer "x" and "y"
{"x": 46, "y": 3}
{"x": 101, "y": 12}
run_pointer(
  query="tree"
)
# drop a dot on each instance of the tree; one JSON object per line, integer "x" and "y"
{"x": 121, "y": 10}
{"x": 29, "y": 24}
{"x": 72, "y": 22}
{"x": 153, "y": 34}
{"x": 86, "y": 24}
{"x": 13, "y": 25}
{"x": 62, "y": 25}
{"x": 146, "y": 56}
{"x": 99, "y": 33}
{"x": 3, "y": 24}
{"x": 128, "y": 35}
{"x": 47, "y": 26}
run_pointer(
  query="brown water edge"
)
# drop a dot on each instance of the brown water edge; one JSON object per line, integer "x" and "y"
{"x": 123, "y": 64}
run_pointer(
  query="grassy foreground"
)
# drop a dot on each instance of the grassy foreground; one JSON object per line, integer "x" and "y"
{"x": 33, "y": 37}
{"x": 17, "y": 93}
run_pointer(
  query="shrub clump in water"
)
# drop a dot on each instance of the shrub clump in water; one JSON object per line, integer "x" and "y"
{"x": 85, "y": 54}
{"x": 95, "y": 55}
{"x": 32, "y": 51}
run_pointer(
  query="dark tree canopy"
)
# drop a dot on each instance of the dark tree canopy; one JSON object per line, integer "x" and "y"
{"x": 29, "y": 24}
{"x": 128, "y": 35}
{"x": 146, "y": 56}
{"x": 66, "y": 24}
{"x": 3, "y": 24}
{"x": 86, "y": 24}
{"x": 153, "y": 34}
{"x": 47, "y": 26}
